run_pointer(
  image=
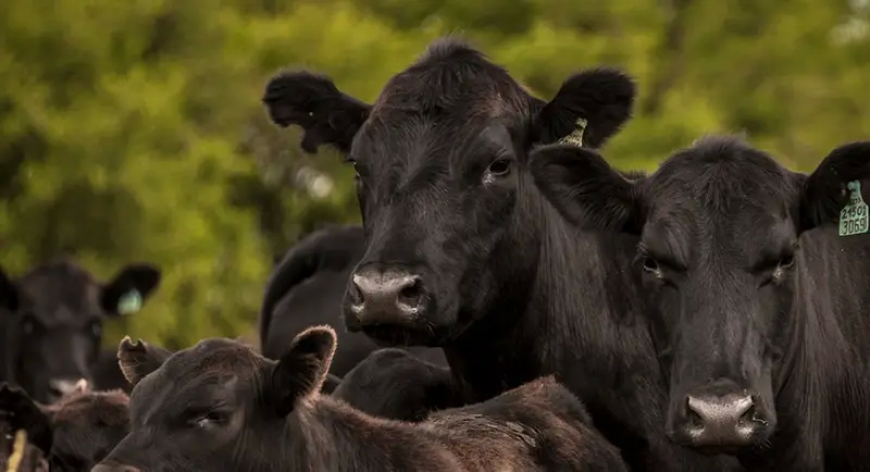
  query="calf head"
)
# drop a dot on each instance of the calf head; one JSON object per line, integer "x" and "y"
{"x": 53, "y": 322}
{"x": 441, "y": 175}
{"x": 218, "y": 405}
{"x": 719, "y": 225}
{"x": 74, "y": 433}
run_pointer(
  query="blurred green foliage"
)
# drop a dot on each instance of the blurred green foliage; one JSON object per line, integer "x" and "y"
{"x": 134, "y": 130}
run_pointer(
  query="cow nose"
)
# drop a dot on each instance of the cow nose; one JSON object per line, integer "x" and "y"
{"x": 720, "y": 420}
{"x": 378, "y": 297}
{"x": 59, "y": 387}
{"x": 103, "y": 467}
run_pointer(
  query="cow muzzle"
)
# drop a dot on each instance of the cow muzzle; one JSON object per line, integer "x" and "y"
{"x": 389, "y": 296}
{"x": 718, "y": 418}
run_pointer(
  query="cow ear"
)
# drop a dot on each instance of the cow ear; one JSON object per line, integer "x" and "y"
{"x": 24, "y": 413}
{"x": 313, "y": 102}
{"x": 139, "y": 359}
{"x": 833, "y": 192}
{"x": 589, "y": 108}
{"x": 586, "y": 190}
{"x": 128, "y": 290}
{"x": 303, "y": 368}
{"x": 8, "y": 292}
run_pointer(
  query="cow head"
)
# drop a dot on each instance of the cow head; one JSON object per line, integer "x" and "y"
{"x": 217, "y": 405}
{"x": 441, "y": 175}
{"x": 53, "y": 322}
{"x": 719, "y": 225}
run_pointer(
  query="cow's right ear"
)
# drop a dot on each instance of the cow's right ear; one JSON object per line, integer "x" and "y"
{"x": 313, "y": 102}
{"x": 586, "y": 190}
{"x": 8, "y": 292}
{"x": 25, "y": 414}
{"x": 139, "y": 359}
{"x": 303, "y": 368}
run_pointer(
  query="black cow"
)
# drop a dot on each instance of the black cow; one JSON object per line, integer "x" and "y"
{"x": 306, "y": 288}
{"x": 52, "y": 319}
{"x": 221, "y": 406}
{"x": 465, "y": 253}
{"x": 414, "y": 389}
{"x": 758, "y": 306}
{"x": 74, "y": 433}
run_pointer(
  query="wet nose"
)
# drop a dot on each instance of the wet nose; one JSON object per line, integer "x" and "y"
{"x": 103, "y": 467}
{"x": 60, "y": 387}
{"x": 390, "y": 296}
{"x": 720, "y": 420}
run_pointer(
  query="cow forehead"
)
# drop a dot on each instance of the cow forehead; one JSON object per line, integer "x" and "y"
{"x": 60, "y": 293}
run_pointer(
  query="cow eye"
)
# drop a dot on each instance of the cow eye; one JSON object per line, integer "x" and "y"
{"x": 650, "y": 264}
{"x": 211, "y": 419}
{"x": 499, "y": 167}
{"x": 786, "y": 261}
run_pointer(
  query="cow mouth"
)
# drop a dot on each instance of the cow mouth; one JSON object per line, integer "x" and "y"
{"x": 386, "y": 335}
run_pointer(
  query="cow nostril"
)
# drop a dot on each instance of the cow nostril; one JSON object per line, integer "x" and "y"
{"x": 354, "y": 292}
{"x": 412, "y": 292}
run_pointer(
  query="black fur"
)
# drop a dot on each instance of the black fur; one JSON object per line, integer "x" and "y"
{"x": 306, "y": 288}
{"x": 508, "y": 288}
{"x": 208, "y": 408}
{"x": 53, "y": 322}
{"x": 749, "y": 291}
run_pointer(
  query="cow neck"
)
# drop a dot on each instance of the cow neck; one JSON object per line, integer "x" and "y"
{"x": 558, "y": 305}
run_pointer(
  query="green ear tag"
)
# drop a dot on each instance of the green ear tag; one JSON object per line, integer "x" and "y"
{"x": 576, "y": 136}
{"x": 854, "y": 217}
{"x": 130, "y": 302}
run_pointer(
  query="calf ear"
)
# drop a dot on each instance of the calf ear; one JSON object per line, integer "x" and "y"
{"x": 589, "y": 108}
{"x": 139, "y": 359}
{"x": 23, "y": 413}
{"x": 834, "y": 189}
{"x": 586, "y": 190}
{"x": 128, "y": 290}
{"x": 303, "y": 368}
{"x": 313, "y": 102}
{"x": 8, "y": 292}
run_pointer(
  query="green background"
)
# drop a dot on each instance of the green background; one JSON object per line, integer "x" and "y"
{"x": 133, "y": 131}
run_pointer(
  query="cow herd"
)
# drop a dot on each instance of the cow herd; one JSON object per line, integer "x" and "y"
{"x": 511, "y": 302}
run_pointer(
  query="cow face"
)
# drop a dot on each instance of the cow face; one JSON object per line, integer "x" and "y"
{"x": 74, "y": 433}
{"x": 53, "y": 322}
{"x": 719, "y": 256}
{"x": 440, "y": 159}
{"x": 218, "y": 405}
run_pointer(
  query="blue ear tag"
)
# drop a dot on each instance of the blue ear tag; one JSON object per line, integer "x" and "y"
{"x": 576, "y": 136}
{"x": 854, "y": 217}
{"x": 130, "y": 302}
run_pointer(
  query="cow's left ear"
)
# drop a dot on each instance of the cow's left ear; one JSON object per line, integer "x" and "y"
{"x": 25, "y": 414}
{"x": 312, "y": 101}
{"x": 8, "y": 292}
{"x": 589, "y": 108}
{"x": 303, "y": 368}
{"x": 129, "y": 289}
{"x": 586, "y": 190}
{"x": 833, "y": 192}
{"x": 139, "y": 359}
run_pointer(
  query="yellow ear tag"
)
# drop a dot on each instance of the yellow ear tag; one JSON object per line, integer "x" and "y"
{"x": 17, "y": 451}
{"x": 576, "y": 136}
